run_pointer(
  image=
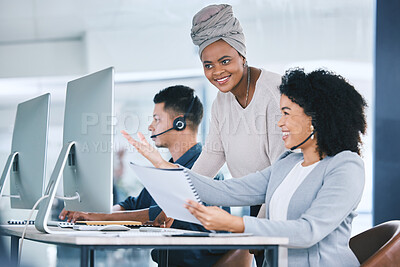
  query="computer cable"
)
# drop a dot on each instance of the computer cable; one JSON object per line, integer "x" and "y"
{"x": 26, "y": 227}
{"x": 30, "y": 215}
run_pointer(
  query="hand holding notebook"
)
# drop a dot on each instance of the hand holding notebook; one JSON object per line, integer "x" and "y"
{"x": 170, "y": 188}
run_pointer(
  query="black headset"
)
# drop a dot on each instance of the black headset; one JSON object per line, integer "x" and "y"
{"x": 295, "y": 147}
{"x": 179, "y": 123}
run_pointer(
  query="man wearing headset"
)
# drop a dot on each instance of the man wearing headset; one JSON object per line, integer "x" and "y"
{"x": 176, "y": 118}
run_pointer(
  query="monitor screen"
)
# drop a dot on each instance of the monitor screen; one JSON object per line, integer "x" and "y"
{"x": 28, "y": 173}
{"x": 88, "y": 122}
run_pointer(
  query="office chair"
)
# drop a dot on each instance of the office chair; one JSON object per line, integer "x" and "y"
{"x": 378, "y": 246}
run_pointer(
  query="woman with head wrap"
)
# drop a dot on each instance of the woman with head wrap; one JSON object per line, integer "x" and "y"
{"x": 243, "y": 129}
{"x": 243, "y": 119}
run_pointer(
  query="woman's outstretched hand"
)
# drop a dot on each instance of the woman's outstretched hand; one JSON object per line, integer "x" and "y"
{"x": 215, "y": 218}
{"x": 148, "y": 151}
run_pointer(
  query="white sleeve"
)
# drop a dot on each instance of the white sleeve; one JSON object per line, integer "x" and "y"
{"x": 212, "y": 157}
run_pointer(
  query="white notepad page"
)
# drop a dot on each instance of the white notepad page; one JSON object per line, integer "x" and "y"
{"x": 170, "y": 188}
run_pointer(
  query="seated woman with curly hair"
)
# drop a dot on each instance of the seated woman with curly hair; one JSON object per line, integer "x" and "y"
{"x": 310, "y": 196}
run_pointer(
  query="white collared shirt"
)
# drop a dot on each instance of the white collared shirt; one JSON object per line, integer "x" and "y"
{"x": 279, "y": 204}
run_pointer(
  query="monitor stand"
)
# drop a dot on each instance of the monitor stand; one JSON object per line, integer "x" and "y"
{"x": 43, "y": 214}
{"x": 11, "y": 161}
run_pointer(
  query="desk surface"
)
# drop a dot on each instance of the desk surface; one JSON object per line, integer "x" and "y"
{"x": 73, "y": 237}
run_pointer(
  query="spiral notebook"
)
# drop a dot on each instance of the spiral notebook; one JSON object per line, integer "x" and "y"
{"x": 170, "y": 188}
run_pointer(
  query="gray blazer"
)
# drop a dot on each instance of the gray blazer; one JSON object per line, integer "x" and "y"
{"x": 320, "y": 212}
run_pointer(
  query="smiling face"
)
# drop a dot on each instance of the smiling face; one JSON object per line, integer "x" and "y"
{"x": 162, "y": 121}
{"x": 223, "y": 65}
{"x": 295, "y": 124}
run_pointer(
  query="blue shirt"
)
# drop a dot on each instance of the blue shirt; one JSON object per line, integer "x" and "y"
{"x": 177, "y": 257}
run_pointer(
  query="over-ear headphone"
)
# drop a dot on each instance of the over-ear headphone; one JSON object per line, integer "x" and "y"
{"x": 179, "y": 123}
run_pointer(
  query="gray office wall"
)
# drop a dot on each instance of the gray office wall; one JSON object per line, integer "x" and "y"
{"x": 387, "y": 113}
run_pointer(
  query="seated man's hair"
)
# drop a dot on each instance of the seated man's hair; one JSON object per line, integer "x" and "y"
{"x": 177, "y": 100}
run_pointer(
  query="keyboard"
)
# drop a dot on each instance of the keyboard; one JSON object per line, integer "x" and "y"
{"x": 62, "y": 224}
{"x": 21, "y": 222}
{"x": 49, "y": 223}
{"x": 110, "y": 227}
{"x": 102, "y": 225}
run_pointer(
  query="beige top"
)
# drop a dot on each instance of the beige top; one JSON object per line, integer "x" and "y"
{"x": 248, "y": 140}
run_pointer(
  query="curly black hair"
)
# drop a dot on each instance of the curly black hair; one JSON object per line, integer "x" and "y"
{"x": 336, "y": 108}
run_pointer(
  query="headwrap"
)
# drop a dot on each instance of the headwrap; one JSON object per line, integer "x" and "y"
{"x": 216, "y": 22}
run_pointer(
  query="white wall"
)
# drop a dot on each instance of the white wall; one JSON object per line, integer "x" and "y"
{"x": 42, "y": 59}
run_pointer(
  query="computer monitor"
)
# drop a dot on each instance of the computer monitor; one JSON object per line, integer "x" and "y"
{"x": 86, "y": 159}
{"x": 88, "y": 122}
{"x": 27, "y": 161}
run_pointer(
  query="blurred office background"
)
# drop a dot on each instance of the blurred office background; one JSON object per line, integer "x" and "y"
{"x": 46, "y": 43}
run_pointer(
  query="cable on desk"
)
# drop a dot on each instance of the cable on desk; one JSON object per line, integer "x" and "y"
{"x": 26, "y": 227}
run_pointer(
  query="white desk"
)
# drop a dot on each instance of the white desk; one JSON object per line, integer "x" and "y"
{"x": 96, "y": 240}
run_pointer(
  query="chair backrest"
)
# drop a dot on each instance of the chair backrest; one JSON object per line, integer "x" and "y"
{"x": 378, "y": 246}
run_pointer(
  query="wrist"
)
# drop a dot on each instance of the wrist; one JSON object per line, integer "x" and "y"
{"x": 237, "y": 225}
{"x": 163, "y": 164}
{"x": 160, "y": 163}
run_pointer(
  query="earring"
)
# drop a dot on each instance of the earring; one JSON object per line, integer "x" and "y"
{"x": 312, "y": 132}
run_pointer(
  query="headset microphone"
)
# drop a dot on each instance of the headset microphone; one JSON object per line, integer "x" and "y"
{"x": 293, "y": 148}
{"x": 179, "y": 123}
{"x": 155, "y": 135}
